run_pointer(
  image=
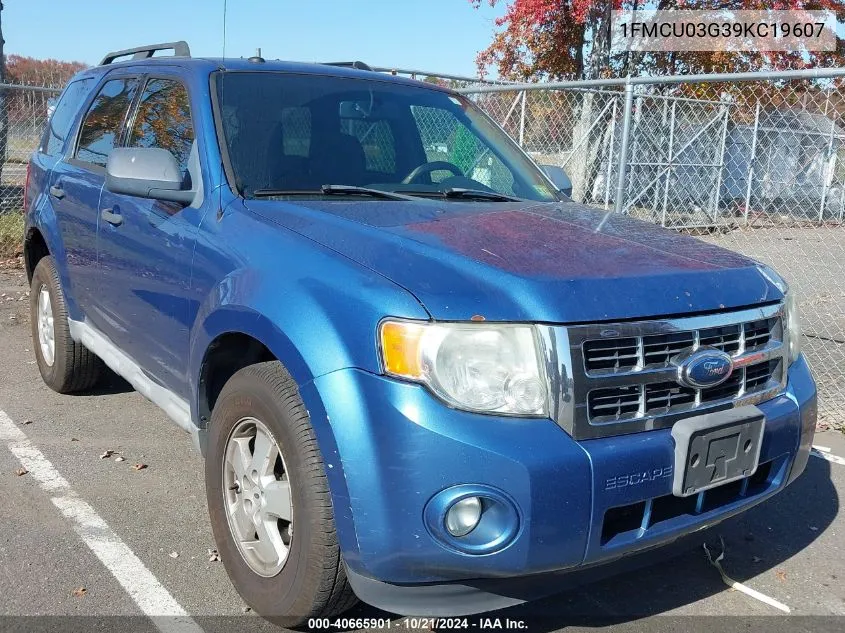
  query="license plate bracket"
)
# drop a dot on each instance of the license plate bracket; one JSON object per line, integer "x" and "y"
{"x": 716, "y": 448}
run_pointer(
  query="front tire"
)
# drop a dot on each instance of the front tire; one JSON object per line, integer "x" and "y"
{"x": 65, "y": 365}
{"x": 269, "y": 500}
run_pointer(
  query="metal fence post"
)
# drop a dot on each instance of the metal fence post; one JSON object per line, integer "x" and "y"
{"x": 504, "y": 121}
{"x": 717, "y": 194}
{"x": 522, "y": 120}
{"x": 669, "y": 165}
{"x": 827, "y": 172}
{"x": 751, "y": 159}
{"x": 619, "y": 202}
{"x": 610, "y": 146}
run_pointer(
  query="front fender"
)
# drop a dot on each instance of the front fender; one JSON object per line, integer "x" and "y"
{"x": 314, "y": 327}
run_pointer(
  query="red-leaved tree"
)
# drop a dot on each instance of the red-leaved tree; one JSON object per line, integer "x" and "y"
{"x": 50, "y": 73}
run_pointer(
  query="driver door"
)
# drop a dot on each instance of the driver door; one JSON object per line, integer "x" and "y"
{"x": 145, "y": 247}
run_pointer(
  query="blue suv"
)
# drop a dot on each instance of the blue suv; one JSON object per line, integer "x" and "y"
{"x": 419, "y": 374}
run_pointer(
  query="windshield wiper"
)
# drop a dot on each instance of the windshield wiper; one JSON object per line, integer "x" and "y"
{"x": 457, "y": 193}
{"x": 331, "y": 190}
{"x": 478, "y": 194}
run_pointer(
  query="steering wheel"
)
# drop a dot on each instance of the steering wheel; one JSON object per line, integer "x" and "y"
{"x": 427, "y": 168}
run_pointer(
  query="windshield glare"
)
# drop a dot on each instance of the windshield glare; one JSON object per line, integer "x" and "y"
{"x": 295, "y": 133}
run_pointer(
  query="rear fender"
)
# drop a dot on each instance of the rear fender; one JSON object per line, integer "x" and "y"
{"x": 43, "y": 220}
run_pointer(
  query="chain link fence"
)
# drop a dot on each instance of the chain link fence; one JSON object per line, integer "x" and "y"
{"x": 23, "y": 115}
{"x": 756, "y": 166}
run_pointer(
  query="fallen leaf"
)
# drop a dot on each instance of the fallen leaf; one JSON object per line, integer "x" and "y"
{"x": 246, "y": 609}
{"x": 107, "y": 454}
{"x": 119, "y": 459}
{"x": 780, "y": 575}
{"x": 73, "y": 439}
{"x": 213, "y": 556}
{"x": 174, "y": 554}
{"x": 27, "y": 421}
{"x": 79, "y": 592}
{"x": 139, "y": 467}
{"x": 21, "y": 471}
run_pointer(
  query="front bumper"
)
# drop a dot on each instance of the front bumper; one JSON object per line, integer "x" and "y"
{"x": 390, "y": 447}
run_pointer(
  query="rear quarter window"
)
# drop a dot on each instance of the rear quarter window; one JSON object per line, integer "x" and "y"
{"x": 58, "y": 127}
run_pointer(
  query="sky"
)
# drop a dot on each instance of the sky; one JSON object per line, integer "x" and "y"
{"x": 432, "y": 35}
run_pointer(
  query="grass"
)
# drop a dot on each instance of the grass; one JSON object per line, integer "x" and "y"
{"x": 11, "y": 234}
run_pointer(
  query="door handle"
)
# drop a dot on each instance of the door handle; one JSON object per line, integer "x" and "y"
{"x": 57, "y": 192}
{"x": 115, "y": 219}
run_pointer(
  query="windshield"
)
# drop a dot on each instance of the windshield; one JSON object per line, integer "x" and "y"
{"x": 289, "y": 134}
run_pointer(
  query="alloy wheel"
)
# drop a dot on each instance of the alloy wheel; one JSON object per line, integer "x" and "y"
{"x": 257, "y": 494}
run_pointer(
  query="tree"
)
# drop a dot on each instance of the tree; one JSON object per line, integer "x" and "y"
{"x": 570, "y": 39}
{"x": 26, "y": 109}
{"x": 541, "y": 40}
{"x": 49, "y": 73}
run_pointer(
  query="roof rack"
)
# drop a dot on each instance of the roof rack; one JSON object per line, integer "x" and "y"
{"x": 180, "y": 49}
{"x": 357, "y": 65}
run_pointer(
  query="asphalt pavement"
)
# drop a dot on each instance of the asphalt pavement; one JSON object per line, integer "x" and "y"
{"x": 90, "y": 542}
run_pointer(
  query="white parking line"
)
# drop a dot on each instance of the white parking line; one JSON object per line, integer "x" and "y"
{"x": 144, "y": 589}
{"x": 819, "y": 451}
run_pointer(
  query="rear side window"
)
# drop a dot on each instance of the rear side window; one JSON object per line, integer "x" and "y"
{"x": 101, "y": 128}
{"x": 163, "y": 120}
{"x": 64, "y": 115}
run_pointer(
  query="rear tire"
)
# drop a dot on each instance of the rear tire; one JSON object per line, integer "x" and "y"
{"x": 65, "y": 365}
{"x": 259, "y": 413}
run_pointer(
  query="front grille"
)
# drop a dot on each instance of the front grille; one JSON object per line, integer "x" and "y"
{"x": 657, "y": 350}
{"x": 617, "y": 403}
{"x": 613, "y": 355}
{"x": 661, "y": 397}
{"x": 620, "y": 377}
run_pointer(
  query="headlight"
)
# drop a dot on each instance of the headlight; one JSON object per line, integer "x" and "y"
{"x": 792, "y": 327}
{"x": 486, "y": 368}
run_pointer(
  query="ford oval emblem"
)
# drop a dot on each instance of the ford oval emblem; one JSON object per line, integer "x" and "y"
{"x": 703, "y": 368}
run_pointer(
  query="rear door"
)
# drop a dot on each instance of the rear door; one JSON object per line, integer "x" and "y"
{"x": 52, "y": 146}
{"x": 75, "y": 184}
{"x": 145, "y": 246}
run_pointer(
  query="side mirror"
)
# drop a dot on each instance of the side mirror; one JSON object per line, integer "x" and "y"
{"x": 146, "y": 172}
{"x": 559, "y": 178}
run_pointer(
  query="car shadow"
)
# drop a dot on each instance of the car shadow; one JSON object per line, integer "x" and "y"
{"x": 109, "y": 384}
{"x": 755, "y": 541}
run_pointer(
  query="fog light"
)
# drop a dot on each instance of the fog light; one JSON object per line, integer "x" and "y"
{"x": 463, "y": 516}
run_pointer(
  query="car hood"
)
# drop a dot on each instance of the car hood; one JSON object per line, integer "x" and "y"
{"x": 550, "y": 262}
